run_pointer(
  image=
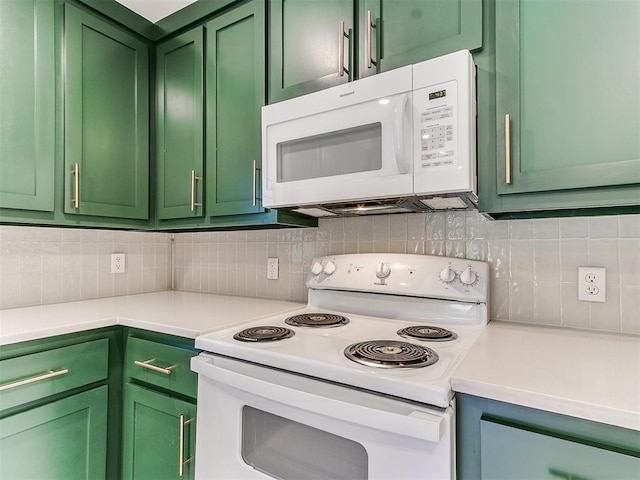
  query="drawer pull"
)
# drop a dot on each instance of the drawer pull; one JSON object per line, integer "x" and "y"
{"x": 181, "y": 460}
{"x": 37, "y": 378}
{"x": 147, "y": 364}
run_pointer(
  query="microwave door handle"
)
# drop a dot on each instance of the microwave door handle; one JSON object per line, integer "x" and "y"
{"x": 415, "y": 424}
{"x": 400, "y": 132}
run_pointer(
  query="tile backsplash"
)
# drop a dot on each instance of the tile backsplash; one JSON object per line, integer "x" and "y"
{"x": 47, "y": 265}
{"x": 534, "y": 263}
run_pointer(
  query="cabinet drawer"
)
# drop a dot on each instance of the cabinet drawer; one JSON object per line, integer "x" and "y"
{"x": 162, "y": 365}
{"x": 39, "y": 375}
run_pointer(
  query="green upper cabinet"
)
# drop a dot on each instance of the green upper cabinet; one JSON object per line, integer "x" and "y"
{"x": 180, "y": 126}
{"x": 27, "y": 92}
{"x": 316, "y": 44}
{"x": 235, "y": 92}
{"x": 305, "y": 44}
{"x": 567, "y": 107}
{"x": 393, "y": 34}
{"x": 106, "y": 119}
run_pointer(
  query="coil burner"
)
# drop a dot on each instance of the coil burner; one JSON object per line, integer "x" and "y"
{"x": 390, "y": 354}
{"x": 427, "y": 333}
{"x": 321, "y": 320}
{"x": 263, "y": 334}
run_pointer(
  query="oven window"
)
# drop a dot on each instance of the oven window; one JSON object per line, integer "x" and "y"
{"x": 352, "y": 150}
{"x": 289, "y": 450}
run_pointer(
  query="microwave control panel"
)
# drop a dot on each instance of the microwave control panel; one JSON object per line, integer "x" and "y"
{"x": 438, "y": 111}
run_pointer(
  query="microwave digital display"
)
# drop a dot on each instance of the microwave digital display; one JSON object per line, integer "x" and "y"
{"x": 438, "y": 94}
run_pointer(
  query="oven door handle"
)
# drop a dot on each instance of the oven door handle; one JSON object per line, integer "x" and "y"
{"x": 413, "y": 423}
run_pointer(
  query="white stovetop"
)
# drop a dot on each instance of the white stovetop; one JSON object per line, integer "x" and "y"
{"x": 590, "y": 375}
{"x": 178, "y": 313}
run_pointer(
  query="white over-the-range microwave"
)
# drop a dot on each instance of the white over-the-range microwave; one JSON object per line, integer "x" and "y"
{"x": 400, "y": 141}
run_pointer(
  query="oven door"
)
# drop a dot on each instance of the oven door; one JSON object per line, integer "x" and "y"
{"x": 258, "y": 423}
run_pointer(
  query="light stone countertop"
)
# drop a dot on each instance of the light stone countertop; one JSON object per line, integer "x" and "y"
{"x": 584, "y": 374}
{"x": 178, "y": 313}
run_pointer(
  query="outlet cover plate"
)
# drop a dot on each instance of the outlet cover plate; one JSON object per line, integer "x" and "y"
{"x": 592, "y": 284}
{"x": 118, "y": 264}
{"x": 272, "y": 268}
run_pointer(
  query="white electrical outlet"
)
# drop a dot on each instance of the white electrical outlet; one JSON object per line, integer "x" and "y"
{"x": 592, "y": 284}
{"x": 118, "y": 264}
{"x": 272, "y": 268}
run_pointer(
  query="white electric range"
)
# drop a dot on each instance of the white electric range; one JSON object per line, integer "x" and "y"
{"x": 356, "y": 384}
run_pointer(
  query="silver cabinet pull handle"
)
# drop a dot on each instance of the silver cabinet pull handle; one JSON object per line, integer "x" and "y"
{"x": 341, "y": 36}
{"x": 37, "y": 378}
{"x": 147, "y": 364}
{"x": 254, "y": 181}
{"x": 194, "y": 177}
{"x": 181, "y": 460}
{"x": 76, "y": 185}
{"x": 507, "y": 148}
{"x": 370, "y": 25}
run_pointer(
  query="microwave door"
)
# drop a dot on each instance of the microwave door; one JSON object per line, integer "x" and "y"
{"x": 346, "y": 154}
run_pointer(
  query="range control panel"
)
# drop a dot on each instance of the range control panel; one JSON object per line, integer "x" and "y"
{"x": 432, "y": 276}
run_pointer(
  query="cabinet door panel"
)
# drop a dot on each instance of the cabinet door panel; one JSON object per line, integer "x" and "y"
{"x": 415, "y": 30}
{"x": 152, "y": 435}
{"x": 106, "y": 121}
{"x": 574, "y": 103}
{"x": 180, "y": 125}
{"x": 27, "y": 80}
{"x": 510, "y": 452}
{"x": 304, "y": 46}
{"x": 235, "y": 93}
{"x": 66, "y": 439}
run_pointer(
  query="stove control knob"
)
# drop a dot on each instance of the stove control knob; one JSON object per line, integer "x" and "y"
{"x": 383, "y": 270}
{"x": 316, "y": 268}
{"x": 468, "y": 276}
{"x": 329, "y": 267}
{"x": 447, "y": 275}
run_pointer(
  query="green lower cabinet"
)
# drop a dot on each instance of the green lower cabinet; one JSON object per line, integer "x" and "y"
{"x": 497, "y": 440}
{"x": 62, "y": 440}
{"x": 27, "y": 92}
{"x": 106, "y": 127}
{"x": 567, "y": 108}
{"x": 159, "y": 435}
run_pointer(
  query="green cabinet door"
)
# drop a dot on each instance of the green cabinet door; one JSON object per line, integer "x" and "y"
{"x": 106, "y": 119}
{"x": 27, "y": 89}
{"x": 498, "y": 440}
{"x": 567, "y": 106}
{"x": 159, "y": 435}
{"x": 510, "y": 452}
{"x": 65, "y": 439}
{"x": 305, "y": 43}
{"x": 180, "y": 125}
{"x": 392, "y": 34}
{"x": 235, "y": 92}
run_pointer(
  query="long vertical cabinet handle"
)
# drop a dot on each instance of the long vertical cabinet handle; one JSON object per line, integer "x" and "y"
{"x": 181, "y": 460}
{"x": 254, "y": 183}
{"x": 370, "y": 25}
{"x": 507, "y": 148}
{"x": 76, "y": 186}
{"x": 194, "y": 204}
{"x": 341, "y": 36}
